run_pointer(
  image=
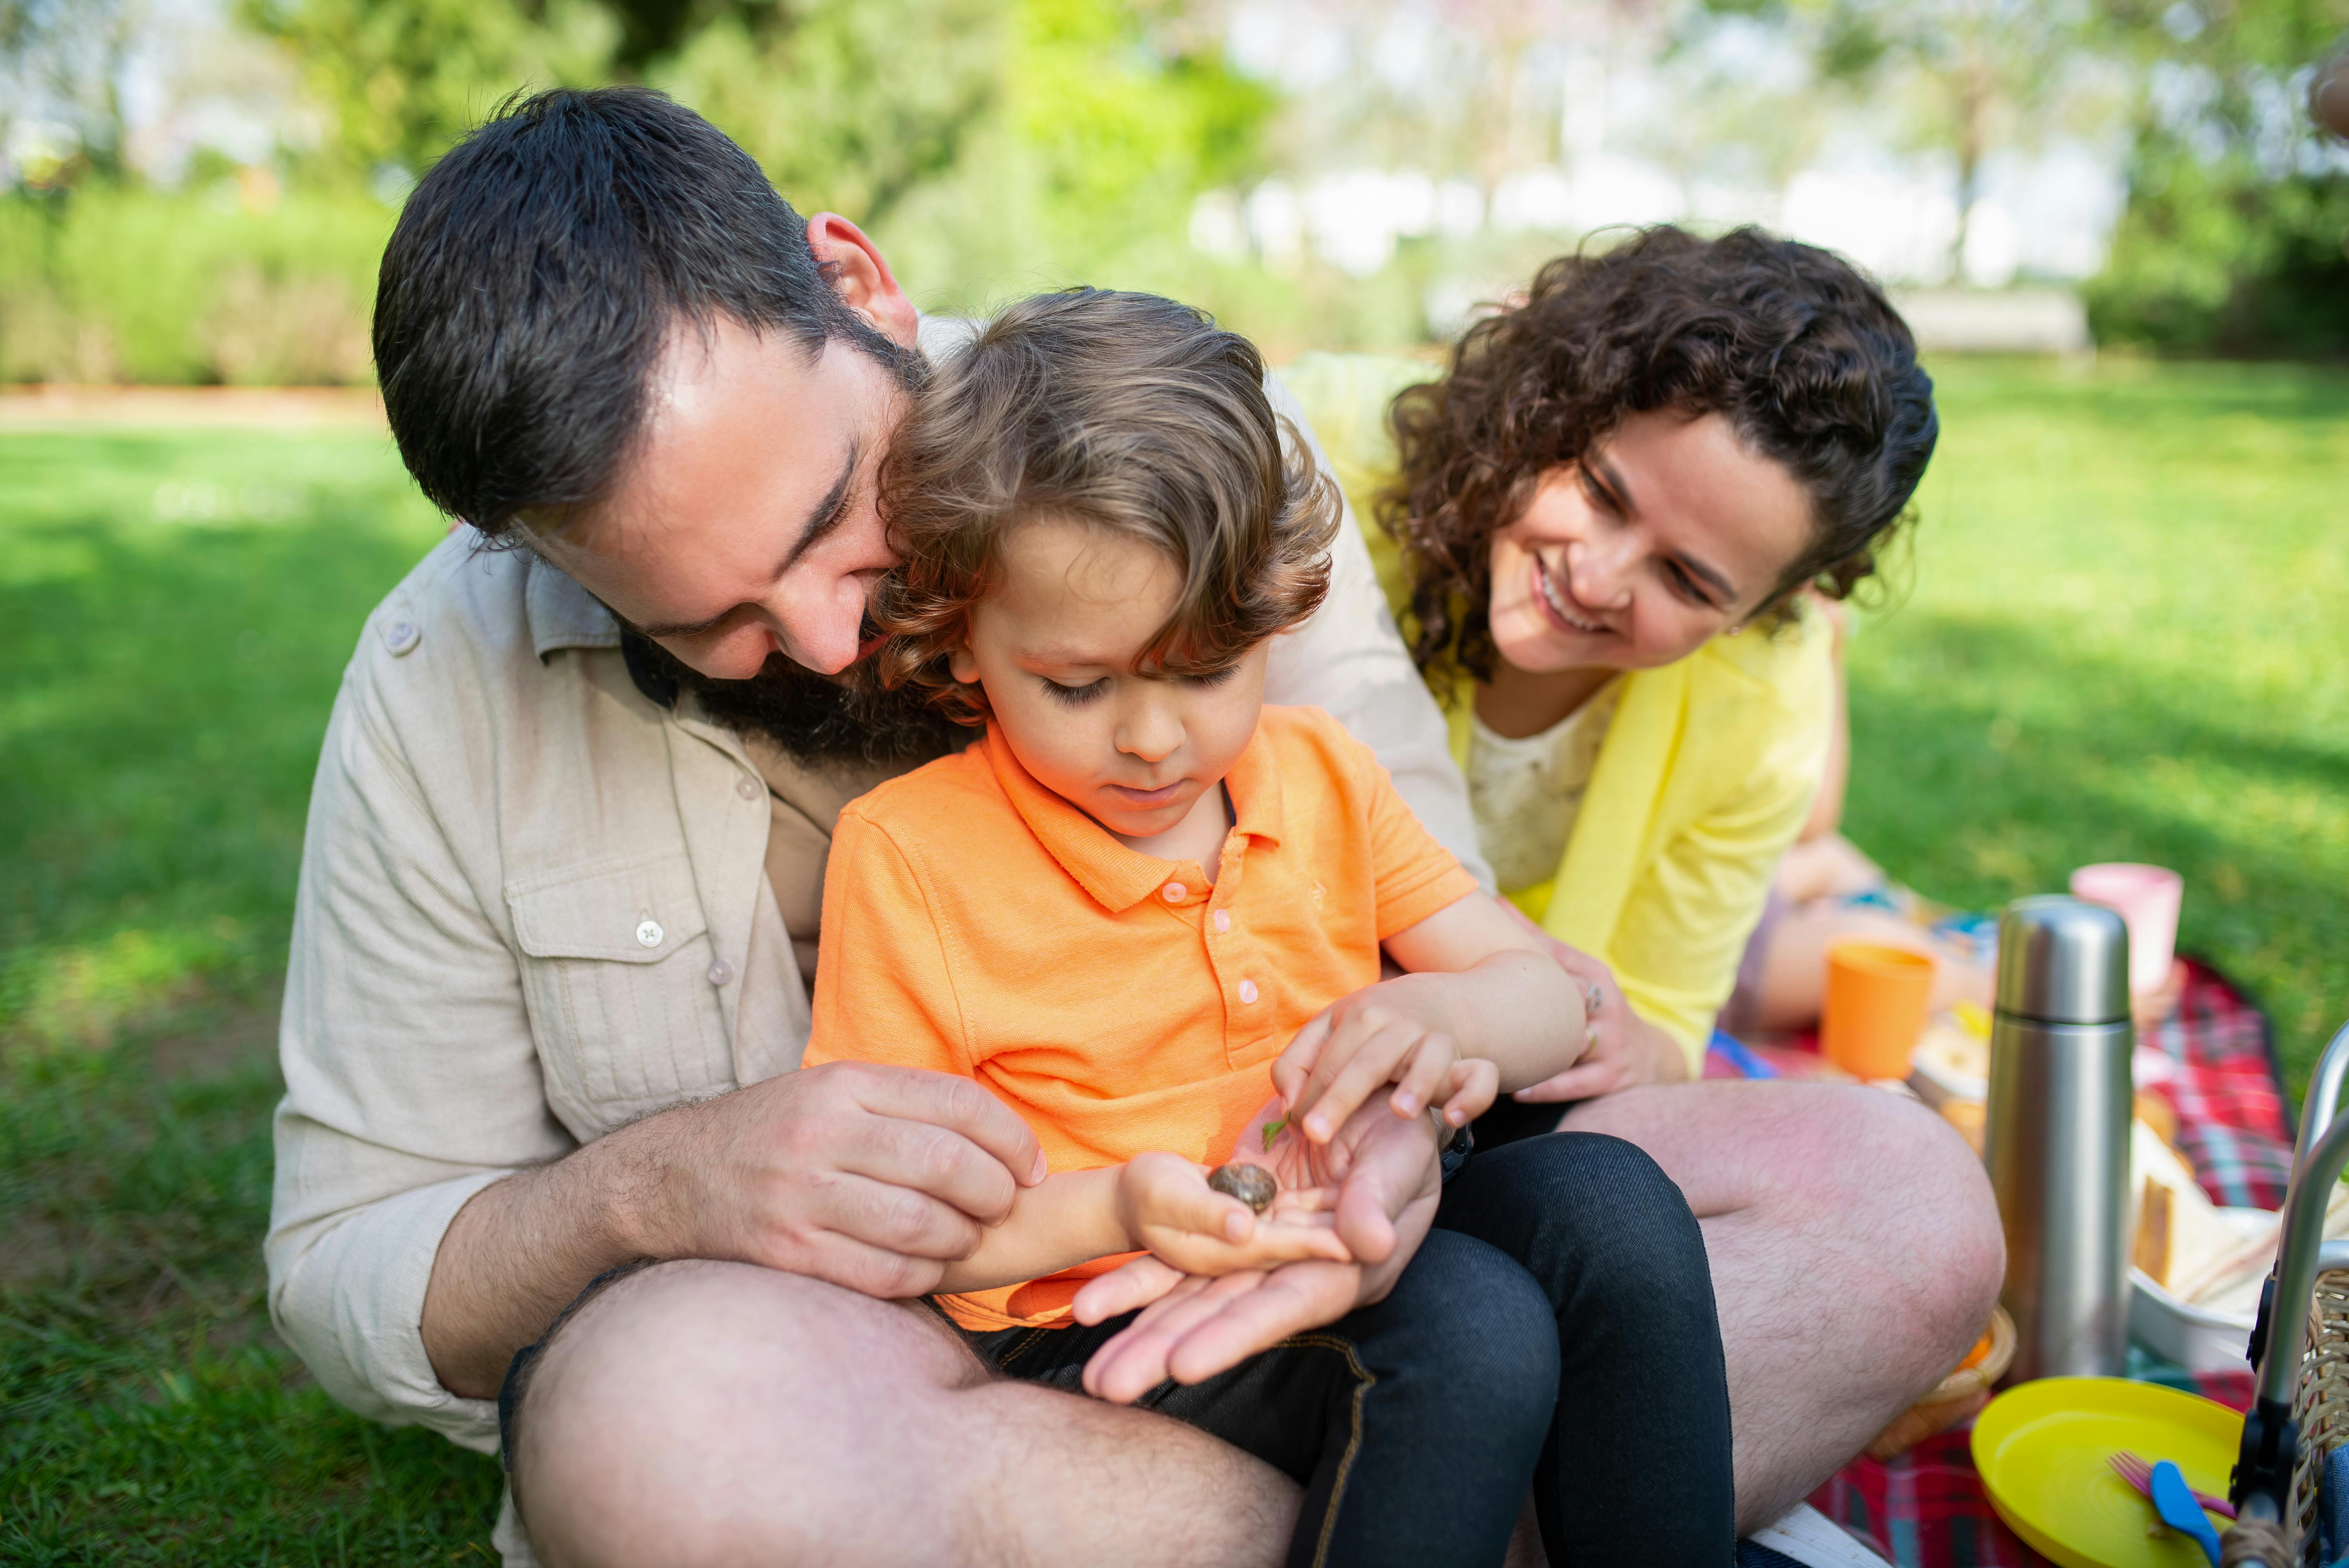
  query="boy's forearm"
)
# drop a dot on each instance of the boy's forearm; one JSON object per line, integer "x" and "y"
{"x": 1517, "y": 1010}
{"x": 1070, "y": 1218}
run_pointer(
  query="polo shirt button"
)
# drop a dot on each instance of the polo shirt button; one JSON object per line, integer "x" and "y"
{"x": 649, "y": 934}
{"x": 1174, "y": 891}
{"x": 401, "y": 637}
{"x": 747, "y": 787}
{"x": 1247, "y": 990}
{"x": 720, "y": 973}
{"x": 1223, "y": 920}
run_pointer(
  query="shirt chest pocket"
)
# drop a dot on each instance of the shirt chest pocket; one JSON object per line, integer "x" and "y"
{"x": 617, "y": 971}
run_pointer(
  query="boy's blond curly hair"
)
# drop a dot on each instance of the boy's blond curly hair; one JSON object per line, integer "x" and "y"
{"x": 1123, "y": 411}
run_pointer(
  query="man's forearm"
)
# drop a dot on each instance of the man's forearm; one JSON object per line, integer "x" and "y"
{"x": 514, "y": 1257}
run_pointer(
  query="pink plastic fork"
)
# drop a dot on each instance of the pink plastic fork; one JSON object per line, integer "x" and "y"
{"x": 2138, "y": 1473}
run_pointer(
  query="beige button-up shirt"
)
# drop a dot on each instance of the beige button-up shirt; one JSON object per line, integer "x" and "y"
{"x": 535, "y": 906}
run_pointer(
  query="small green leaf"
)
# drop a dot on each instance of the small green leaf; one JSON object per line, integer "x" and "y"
{"x": 1272, "y": 1131}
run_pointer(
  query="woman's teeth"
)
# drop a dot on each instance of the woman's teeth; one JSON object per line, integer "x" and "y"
{"x": 1557, "y": 601}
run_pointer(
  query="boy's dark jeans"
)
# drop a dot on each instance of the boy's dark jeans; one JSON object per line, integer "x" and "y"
{"x": 1556, "y": 1327}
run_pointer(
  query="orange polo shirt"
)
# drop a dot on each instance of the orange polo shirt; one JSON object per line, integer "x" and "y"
{"x": 974, "y": 923}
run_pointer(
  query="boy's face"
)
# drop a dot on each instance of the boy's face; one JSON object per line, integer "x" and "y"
{"x": 1054, "y": 644}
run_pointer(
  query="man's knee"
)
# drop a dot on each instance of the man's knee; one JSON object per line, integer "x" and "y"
{"x": 711, "y": 1412}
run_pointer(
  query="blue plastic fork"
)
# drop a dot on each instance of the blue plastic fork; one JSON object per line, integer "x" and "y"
{"x": 2173, "y": 1500}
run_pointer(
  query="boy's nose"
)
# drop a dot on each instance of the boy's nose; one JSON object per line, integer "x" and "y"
{"x": 1152, "y": 731}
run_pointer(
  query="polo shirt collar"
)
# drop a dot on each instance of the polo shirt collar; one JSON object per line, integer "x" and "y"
{"x": 1116, "y": 877}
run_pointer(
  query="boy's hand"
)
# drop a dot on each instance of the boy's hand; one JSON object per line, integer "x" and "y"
{"x": 1193, "y": 1327}
{"x": 1355, "y": 1047}
{"x": 1166, "y": 1206}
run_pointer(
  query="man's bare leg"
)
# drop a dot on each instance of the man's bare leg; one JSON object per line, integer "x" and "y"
{"x": 701, "y": 1414}
{"x": 1856, "y": 1256}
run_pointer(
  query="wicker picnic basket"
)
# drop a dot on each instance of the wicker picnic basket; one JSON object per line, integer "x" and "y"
{"x": 2320, "y": 1402}
{"x": 2300, "y": 1410}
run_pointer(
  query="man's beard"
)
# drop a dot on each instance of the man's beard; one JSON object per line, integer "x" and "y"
{"x": 816, "y": 719}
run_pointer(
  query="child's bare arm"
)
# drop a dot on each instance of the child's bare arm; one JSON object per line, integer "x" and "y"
{"x": 1481, "y": 991}
{"x": 1157, "y": 1202}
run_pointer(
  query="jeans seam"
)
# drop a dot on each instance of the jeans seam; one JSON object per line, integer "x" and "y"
{"x": 1003, "y": 1363}
{"x": 1364, "y": 1381}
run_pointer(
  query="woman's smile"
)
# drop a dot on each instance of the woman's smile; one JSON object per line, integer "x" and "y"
{"x": 1557, "y": 601}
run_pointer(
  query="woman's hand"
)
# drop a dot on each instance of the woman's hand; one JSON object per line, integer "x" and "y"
{"x": 1166, "y": 1206}
{"x": 1621, "y": 1050}
{"x": 1355, "y": 1047}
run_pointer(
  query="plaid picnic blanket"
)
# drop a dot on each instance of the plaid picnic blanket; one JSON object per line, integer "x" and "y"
{"x": 2217, "y": 1071}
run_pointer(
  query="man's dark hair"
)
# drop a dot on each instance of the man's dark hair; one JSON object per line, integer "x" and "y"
{"x": 538, "y": 268}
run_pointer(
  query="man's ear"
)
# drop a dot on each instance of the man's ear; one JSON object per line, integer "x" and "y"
{"x": 861, "y": 277}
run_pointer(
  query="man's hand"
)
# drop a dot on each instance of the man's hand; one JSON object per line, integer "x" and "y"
{"x": 1166, "y": 1206}
{"x": 870, "y": 1177}
{"x": 1192, "y": 1327}
{"x": 1354, "y": 1047}
{"x": 1621, "y": 1050}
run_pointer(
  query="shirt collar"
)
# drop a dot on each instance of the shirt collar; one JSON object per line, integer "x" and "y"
{"x": 1116, "y": 877}
{"x": 563, "y": 614}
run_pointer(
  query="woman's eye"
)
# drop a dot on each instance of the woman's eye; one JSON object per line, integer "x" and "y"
{"x": 1686, "y": 586}
{"x": 1074, "y": 697}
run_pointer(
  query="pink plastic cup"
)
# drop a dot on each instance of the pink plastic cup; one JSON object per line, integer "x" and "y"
{"x": 2146, "y": 899}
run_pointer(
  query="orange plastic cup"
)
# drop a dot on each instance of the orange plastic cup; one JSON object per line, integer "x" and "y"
{"x": 1875, "y": 1010}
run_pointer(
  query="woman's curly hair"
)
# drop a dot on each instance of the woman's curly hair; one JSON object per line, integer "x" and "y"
{"x": 1806, "y": 358}
{"x": 1123, "y": 411}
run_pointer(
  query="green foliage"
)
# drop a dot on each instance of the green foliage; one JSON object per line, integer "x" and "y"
{"x": 402, "y": 78}
{"x": 848, "y": 105}
{"x": 107, "y": 282}
{"x": 2236, "y": 240}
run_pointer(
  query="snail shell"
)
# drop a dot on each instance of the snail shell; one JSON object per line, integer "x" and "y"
{"x": 1251, "y": 1185}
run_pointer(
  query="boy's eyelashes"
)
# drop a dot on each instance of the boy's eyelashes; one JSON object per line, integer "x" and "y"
{"x": 1073, "y": 696}
{"x": 1079, "y": 696}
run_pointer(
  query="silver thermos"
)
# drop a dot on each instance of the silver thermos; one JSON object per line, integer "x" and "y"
{"x": 2057, "y": 1136}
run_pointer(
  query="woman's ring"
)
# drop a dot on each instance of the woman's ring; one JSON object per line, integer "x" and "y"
{"x": 1595, "y": 999}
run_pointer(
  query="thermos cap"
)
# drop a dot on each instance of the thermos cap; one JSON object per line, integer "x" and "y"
{"x": 2063, "y": 961}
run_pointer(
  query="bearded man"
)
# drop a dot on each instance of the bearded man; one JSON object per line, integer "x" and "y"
{"x": 546, "y": 1162}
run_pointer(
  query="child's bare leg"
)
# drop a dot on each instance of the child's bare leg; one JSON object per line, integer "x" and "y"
{"x": 1795, "y": 966}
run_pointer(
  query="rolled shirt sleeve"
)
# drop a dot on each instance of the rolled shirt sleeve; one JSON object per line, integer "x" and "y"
{"x": 412, "y": 1079}
{"x": 1349, "y": 660}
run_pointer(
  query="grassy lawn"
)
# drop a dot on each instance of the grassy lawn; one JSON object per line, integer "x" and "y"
{"x": 2116, "y": 646}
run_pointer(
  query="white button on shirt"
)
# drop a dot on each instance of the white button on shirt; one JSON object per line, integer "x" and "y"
{"x": 1223, "y": 920}
{"x": 1247, "y": 990}
{"x": 1174, "y": 892}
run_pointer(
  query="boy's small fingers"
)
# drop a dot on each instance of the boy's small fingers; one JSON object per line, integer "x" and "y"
{"x": 1370, "y": 1067}
{"x": 1424, "y": 1074}
{"x": 1472, "y": 1085}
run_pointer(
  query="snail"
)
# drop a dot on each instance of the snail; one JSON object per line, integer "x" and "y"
{"x": 1251, "y": 1185}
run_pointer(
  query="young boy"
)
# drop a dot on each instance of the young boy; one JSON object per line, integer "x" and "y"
{"x": 1144, "y": 902}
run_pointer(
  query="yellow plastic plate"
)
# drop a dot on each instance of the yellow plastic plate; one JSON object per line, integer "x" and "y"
{"x": 2042, "y": 1449}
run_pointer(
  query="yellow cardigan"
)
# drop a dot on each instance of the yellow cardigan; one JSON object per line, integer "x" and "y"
{"x": 1706, "y": 773}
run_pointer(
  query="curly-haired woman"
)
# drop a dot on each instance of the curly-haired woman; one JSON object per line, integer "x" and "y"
{"x": 1600, "y": 528}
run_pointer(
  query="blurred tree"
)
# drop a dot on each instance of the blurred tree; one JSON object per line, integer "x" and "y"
{"x": 61, "y": 62}
{"x": 1969, "y": 77}
{"x": 2236, "y": 239}
{"x": 848, "y": 105}
{"x": 401, "y": 78}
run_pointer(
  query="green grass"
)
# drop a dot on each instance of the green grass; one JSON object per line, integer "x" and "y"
{"x": 175, "y": 611}
{"x": 2128, "y": 639}
{"x": 2116, "y": 645}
